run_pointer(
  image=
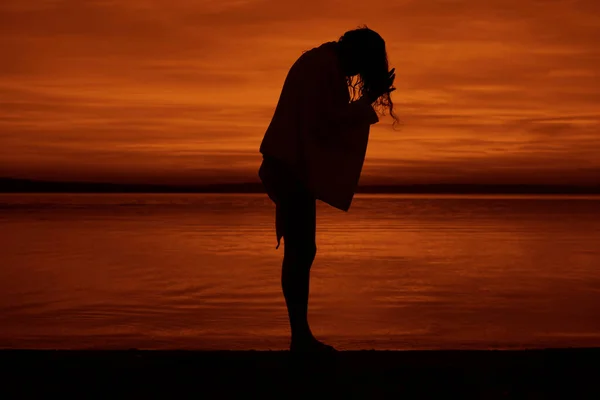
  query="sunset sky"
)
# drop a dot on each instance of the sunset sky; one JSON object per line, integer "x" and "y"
{"x": 181, "y": 91}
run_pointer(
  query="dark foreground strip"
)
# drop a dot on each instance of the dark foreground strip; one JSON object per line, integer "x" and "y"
{"x": 527, "y": 374}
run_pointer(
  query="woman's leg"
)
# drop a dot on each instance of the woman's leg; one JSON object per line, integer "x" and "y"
{"x": 299, "y": 233}
{"x": 299, "y": 216}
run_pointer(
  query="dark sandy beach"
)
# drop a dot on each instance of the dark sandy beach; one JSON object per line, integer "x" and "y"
{"x": 529, "y": 374}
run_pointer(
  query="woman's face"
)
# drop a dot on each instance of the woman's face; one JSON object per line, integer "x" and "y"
{"x": 364, "y": 57}
{"x": 355, "y": 61}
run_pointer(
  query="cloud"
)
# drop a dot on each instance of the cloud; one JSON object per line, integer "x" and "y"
{"x": 150, "y": 88}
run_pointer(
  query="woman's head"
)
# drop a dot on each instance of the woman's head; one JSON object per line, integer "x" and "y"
{"x": 364, "y": 59}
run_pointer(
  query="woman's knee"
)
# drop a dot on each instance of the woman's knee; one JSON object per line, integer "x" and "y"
{"x": 304, "y": 252}
{"x": 311, "y": 251}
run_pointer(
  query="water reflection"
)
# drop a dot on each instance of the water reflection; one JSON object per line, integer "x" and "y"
{"x": 201, "y": 271}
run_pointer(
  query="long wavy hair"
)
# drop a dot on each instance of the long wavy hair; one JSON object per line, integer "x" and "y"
{"x": 374, "y": 69}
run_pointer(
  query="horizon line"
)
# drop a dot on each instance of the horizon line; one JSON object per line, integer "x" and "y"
{"x": 18, "y": 185}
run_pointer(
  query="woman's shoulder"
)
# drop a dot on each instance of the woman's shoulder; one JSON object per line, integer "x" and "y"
{"x": 319, "y": 57}
{"x": 327, "y": 48}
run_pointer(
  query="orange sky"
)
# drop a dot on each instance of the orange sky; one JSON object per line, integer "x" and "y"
{"x": 181, "y": 91}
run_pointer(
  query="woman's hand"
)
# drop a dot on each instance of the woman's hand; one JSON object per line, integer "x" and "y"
{"x": 386, "y": 86}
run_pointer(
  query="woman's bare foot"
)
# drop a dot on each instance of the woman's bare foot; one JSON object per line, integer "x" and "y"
{"x": 310, "y": 344}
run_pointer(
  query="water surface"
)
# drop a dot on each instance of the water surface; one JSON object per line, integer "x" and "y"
{"x": 201, "y": 272}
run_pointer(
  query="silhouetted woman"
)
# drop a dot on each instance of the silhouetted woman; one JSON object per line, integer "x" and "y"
{"x": 314, "y": 148}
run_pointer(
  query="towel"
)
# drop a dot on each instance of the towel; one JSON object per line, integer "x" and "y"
{"x": 317, "y": 131}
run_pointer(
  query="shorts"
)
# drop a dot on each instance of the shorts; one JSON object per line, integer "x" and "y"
{"x": 295, "y": 205}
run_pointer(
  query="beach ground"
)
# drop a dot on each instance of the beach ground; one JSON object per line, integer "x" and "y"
{"x": 494, "y": 374}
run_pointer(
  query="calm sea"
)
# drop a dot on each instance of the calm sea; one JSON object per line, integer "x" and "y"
{"x": 201, "y": 272}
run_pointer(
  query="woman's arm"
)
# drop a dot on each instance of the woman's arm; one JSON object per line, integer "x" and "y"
{"x": 328, "y": 101}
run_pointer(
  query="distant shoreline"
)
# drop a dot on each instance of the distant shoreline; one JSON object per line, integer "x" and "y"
{"x": 10, "y": 185}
